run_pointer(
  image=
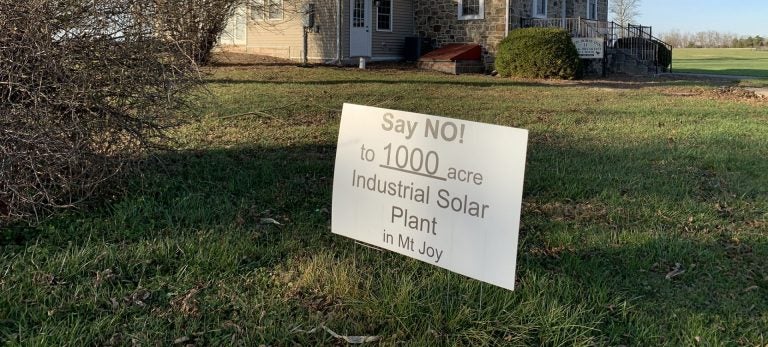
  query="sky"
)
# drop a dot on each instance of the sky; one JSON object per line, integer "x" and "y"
{"x": 742, "y": 17}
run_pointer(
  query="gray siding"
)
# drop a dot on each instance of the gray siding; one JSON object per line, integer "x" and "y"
{"x": 284, "y": 38}
{"x": 390, "y": 44}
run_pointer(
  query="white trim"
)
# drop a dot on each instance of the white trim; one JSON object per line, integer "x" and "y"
{"x": 391, "y": 15}
{"x": 596, "y": 7}
{"x": 535, "y": 9}
{"x": 481, "y": 15}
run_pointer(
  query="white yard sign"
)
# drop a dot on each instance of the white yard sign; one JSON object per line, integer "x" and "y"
{"x": 589, "y": 47}
{"x": 441, "y": 190}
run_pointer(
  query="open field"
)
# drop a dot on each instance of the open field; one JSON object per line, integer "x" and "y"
{"x": 721, "y": 61}
{"x": 626, "y": 182}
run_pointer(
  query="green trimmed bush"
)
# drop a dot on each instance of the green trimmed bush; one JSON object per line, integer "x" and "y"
{"x": 538, "y": 53}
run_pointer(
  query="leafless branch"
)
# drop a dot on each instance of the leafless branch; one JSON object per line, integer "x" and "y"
{"x": 85, "y": 87}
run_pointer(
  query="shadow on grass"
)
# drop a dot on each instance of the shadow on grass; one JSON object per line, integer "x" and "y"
{"x": 230, "y": 193}
{"x": 237, "y": 186}
{"x": 724, "y": 58}
{"x": 224, "y": 64}
{"x": 715, "y": 289}
{"x": 615, "y": 83}
{"x": 193, "y": 190}
{"x": 756, "y": 73}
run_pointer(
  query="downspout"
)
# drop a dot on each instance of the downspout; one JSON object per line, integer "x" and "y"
{"x": 506, "y": 21}
{"x": 338, "y": 32}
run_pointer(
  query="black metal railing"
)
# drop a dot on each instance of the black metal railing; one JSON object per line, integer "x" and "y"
{"x": 639, "y": 42}
{"x": 634, "y": 40}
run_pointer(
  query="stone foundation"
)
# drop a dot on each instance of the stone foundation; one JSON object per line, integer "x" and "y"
{"x": 453, "y": 67}
{"x": 438, "y": 20}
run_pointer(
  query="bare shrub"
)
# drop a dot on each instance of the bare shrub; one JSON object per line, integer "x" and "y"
{"x": 84, "y": 87}
{"x": 194, "y": 24}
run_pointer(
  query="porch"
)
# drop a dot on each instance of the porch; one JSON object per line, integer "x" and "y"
{"x": 633, "y": 43}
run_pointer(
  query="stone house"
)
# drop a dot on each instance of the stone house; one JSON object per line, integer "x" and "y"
{"x": 376, "y": 30}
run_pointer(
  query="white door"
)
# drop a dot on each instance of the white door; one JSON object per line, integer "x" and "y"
{"x": 360, "y": 28}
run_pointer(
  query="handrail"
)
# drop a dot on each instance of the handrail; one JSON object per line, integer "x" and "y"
{"x": 577, "y": 27}
{"x": 637, "y": 40}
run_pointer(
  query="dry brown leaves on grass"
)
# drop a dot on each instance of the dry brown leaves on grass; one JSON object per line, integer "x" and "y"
{"x": 734, "y": 93}
{"x": 103, "y": 276}
{"x": 304, "y": 295}
{"x": 550, "y": 252}
{"x": 735, "y": 248}
{"x": 137, "y": 298}
{"x": 313, "y": 300}
{"x": 187, "y": 303}
{"x": 46, "y": 279}
{"x": 570, "y": 211}
{"x": 676, "y": 271}
{"x": 726, "y": 93}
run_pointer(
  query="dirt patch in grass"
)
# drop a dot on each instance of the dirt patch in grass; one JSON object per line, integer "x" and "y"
{"x": 724, "y": 93}
{"x": 234, "y": 60}
{"x": 734, "y": 93}
{"x": 549, "y": 252}
{"x": 585, "y": 212}
{"x": 229, "y": 59}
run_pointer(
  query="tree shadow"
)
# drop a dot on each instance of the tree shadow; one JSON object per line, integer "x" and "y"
{"x": 235, "y": 190}
{"x": 479, "y": 81}
{"x": 752, "y": 73}
{"x": 715, "y": 289}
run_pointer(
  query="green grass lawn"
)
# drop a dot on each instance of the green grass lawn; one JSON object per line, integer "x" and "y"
{"x": 721, "y": 61}
{"x": 625, "y": 182}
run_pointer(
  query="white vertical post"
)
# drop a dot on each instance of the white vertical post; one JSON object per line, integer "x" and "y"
{"x": 362, "y": 63}
{"x": 506, "y": 21}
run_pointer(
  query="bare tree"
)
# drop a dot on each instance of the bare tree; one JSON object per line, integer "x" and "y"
{"x": 194, "y": 24}
{"x": 85, "y": 87}
{"x": 624, "y": 11}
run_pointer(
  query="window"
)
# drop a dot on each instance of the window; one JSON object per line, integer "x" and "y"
{"x": 591, "y": 9}
{"x": 540, "y": 8}
{"x": 471, "y": 9}
{"x": 257, "y": 10}
{"x": 275, "y": 10}
{"x": 358, "y": 14}
{"x": 267, "y": 10}
{"x": 384, "y": 15}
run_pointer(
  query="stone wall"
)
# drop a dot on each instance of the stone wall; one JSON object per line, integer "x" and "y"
{"x": 438, "y": 20}
{"x": 578, "y": 8}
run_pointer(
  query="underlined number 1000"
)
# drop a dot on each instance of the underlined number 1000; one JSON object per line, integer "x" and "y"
{"x": 412, "y": 159}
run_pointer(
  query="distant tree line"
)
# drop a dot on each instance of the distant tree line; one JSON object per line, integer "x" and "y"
{"x": 712, "y": 39}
